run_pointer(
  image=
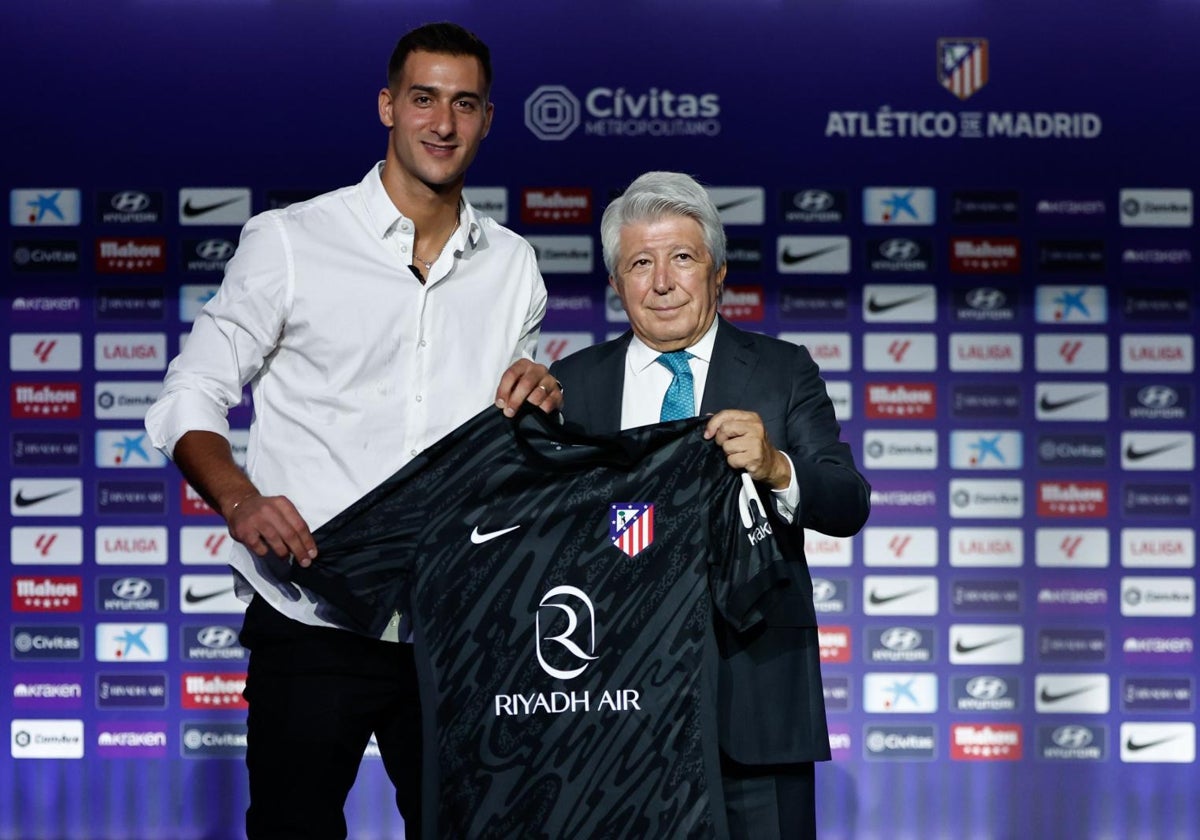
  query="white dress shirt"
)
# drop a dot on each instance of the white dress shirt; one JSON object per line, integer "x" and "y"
{"x": 355, "y": 366}
{"x": 646, "y": 383}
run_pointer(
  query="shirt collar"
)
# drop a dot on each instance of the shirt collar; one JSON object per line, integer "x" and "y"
{"x": 384, "y": 215}
{"x": 642, "y": 355}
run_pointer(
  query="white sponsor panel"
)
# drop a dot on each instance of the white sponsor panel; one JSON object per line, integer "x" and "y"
{"x": 144, "y": 545}
{"x": 46, "y": 738}
{"x": 45, "y": 497}
{"x": 214, "y": 205}
{"x": 563, "y": 254}
{"x": 987, "y": 498}
{"x": 739, "y": 205}
{"x": 1172, "y": 353}
{"x": 193, "y": 297}
{"x": 45, "y": 546}
{"x": 824, "y": 550}
{"x": 900, "y": 546}
{"x": 989, "y": 352}
{"x": 125, "y": 400}
{"x": 1171, "y": 451}
{"x": 1158, "y": 743}
{"x": 131, "y": 351}
{"x": 1071, "y": 548}
{"x": 899, "y": 302}
{"x": 900, "y": 693}
{"x": 1068, "y": 401}
{"x": 899, "y": 351}
{"x": 1158, "y": 596}
{"x": 830, "y": 350}
{"x": 553, "y": 346}
{"x": 1072, "y": 693}
{"x": 1156, "y": 208}
{"x": 986, "y": 449}
{"x": 204, "y": 545}
{"x": 45, "y": 351}
{"x": 1158, "y": 548}
{"x": 899, "y": 206}
{"x": 51, "y": 207}
{"x": 892, "y": 450}
{"x": 812, "y": 255}
{"x": 1070, "y": 352}
{"x": 127, "y": 449}
{"x": 209, "y": 594}
{"x": 987, "y": 547}
{"x": 131, "y": 642}
{"x": 239, "y": 444}
{"x": 1071, "y": 305}
{"x": 489, "y": 201}
{"x": 987, "y": 644}
{"x": 840, "y": 395}
{"x": 900, "y": 595}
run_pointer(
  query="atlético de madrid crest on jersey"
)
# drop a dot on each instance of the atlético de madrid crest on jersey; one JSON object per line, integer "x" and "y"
{"x": 631, "y": 526}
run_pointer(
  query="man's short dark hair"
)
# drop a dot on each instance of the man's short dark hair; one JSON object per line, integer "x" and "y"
{"x": 443, "y": 38}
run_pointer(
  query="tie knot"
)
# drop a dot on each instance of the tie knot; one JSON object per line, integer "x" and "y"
{"x": 676, "y": 361}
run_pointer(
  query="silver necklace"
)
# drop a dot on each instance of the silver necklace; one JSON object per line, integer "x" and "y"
{"x": 429, "y": 263}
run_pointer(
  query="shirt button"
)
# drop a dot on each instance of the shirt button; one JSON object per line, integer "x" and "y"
{"x": 404, "y": 226}
{"x": 403, "y": 249}
{"x": 423, "y": 342}
{"x": 418, "y": 397}
{"x": 412, "y": 452}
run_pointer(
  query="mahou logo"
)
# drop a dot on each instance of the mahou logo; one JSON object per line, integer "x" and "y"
{"x": 987, "y": 742}
{"x": 47, "y": 594}
{"x": 46, "y": 400}
{"x": 834, "y": 642}
{"x": 556, "y": 206}
{"x": 1072, "y": 498}
{"x": 991, "y": 255}
{"x": 131, "y": 255}
{"x": 214, "y": 691}
{"x": 742, "y": 303}
{"x": 902, "y": 401}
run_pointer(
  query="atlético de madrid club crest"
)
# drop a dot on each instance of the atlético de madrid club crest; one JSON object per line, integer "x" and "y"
{"x": 962, "y": 65}
{"x": 631, "y": 526}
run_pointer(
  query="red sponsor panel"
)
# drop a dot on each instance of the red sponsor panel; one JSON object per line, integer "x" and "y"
{"x": 191, "y": 502}
{"x": 901, "y": 400}
{"x": 1072, "y": 499}
{"x": 556, "y": 205}
{"x": 985, "y": 255}
{"x": 213, "y": 690}
{"x": 986, "y": 742}
{"x": 131, "y": 255}
{"x": 834, "y": 641}
{"x": 742, "y": 303}
{"x": 46, "y": 400}
{"x": 47, "y": 594}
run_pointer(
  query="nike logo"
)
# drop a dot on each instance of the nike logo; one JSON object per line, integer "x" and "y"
{"x": 22, "y": 500}
{"x": 876, "y": 598}
{"x": 192, "y": 210}
{"x": 1048, "y": 697}
{"x": 729, "y": 205}
{"x": 1047, "y": 404}
{"x": 479, "y": 538}
{"x": 194, "y": 598}
{"x": 877, "y": 307}
{"x": 788, "y": 258}
{"x": 1138, "y": 454}
{"x": 962, "y": 647}
{"x": 1133, "y": 746}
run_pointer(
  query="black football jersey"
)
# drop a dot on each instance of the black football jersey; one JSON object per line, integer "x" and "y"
{"x": 561, "y": 592}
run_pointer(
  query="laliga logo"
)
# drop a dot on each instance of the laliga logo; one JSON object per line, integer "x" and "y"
{"x": 564, "y": 638}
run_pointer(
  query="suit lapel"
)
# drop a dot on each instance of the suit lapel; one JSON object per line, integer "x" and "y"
{"x": 730, "y": 371}
{"x": 606, "y": 386}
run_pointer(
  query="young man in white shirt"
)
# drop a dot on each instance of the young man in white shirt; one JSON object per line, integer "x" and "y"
{"x": 370, "y": 321}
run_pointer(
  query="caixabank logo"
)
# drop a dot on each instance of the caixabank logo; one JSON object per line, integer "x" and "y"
{"x": 553, "y": 112}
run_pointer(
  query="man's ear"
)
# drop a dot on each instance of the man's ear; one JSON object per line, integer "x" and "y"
{"x": 385, "y": 108}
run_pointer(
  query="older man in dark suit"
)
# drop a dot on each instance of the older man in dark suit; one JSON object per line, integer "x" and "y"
{"x": 664, "y": 248}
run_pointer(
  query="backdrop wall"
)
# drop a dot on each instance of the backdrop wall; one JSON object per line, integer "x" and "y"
{"x": 979, "y": 218}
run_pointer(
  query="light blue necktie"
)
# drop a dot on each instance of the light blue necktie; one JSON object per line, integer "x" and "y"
{"x": 680, "y": 400}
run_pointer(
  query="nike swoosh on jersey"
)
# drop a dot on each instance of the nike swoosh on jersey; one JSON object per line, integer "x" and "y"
{"x": 1047, "y": 404}
{"x": 1132, "y": 454}
{"x": 875, "y": 306}
{"x": 479, "y": 538}
{"x": 193, "y": 598}
{"x": 788, "y": 258}
{"x": 192, "y": 210}
{"x": 21, "y": 500}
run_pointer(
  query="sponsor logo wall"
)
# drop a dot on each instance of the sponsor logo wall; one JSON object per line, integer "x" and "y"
{"x": 1008, "y": 337}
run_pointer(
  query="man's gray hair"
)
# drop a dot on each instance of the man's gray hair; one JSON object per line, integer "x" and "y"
{"x": 655, "y": 195}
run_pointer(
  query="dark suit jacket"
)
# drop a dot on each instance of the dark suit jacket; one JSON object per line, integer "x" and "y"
{"x": 771, "y": 709}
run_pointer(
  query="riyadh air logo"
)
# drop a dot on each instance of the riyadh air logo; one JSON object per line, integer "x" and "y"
{"x": 962, "y": 65}
{"x": 898, "y": 206}
{"x": 43, "y": 208}
{"x": 561, "y": 607}
{"x": 631, "y": 526}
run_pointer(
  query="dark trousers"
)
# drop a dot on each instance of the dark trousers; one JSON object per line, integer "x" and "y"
{"x": 316, "y": 694}
{"x": 769, "y": 801}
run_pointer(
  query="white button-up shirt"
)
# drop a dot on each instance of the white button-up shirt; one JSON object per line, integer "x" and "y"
{"x": 354, "y": 365}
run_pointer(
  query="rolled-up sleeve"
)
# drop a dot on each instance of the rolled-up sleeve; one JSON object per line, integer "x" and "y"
{"x": 232, "y": 336}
